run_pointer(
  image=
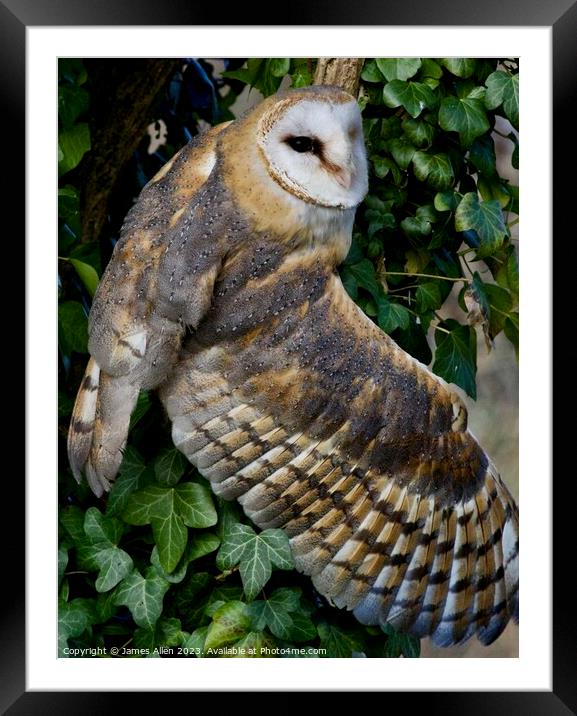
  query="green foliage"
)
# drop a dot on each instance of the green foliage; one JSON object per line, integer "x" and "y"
{"x": 160, "y": 567}
{"x": 255, "y": 554}
{"x": 438, "y": 212}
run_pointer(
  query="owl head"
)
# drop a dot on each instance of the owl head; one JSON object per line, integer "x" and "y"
{"x": 311, "y": 141}
{"x": 300, "y": 151}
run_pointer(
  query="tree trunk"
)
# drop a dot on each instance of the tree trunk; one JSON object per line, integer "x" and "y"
{"x": 344, "y": 72}
{"x": 122, "y": 106}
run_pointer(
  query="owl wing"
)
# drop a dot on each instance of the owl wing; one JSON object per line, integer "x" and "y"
{"x": 142, "y": 306}
{"x": 363, "y": 457}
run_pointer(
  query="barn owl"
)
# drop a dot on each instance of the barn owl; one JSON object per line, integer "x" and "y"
{"x": 223, "y": 293}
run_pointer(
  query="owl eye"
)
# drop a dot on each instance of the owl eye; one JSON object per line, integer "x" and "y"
{"x": 302, "y": 144}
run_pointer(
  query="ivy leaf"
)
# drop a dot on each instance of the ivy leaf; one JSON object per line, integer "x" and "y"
{"x": 195, "y": 642}
{"x": 416, "y": 260}
{"x": 435, "y": 169}
{"x": 131, "y": 477}
{"x": 230, "y": 623}
{"x": 255, "y": 570}
{"x": 87, "y": 253}
{"x": 459, "y": 66}
{"x": 486, "y": 218}
{"x": 355, "y": 252}
{"x": 414, "y": 341}
{"x": 101, "y": 529}
{"x": 402, "y": 151}
{"x": 201, "y": 545}
{"x": 287, "y": 598}
{"x": 69, "y": 207}
{"x": 465, "y": 116}
{"x": 513, "y": 272}
{"x": 383, "y": 165}
{"x": 279, "y": 66}
{"x": 105, "y": 607}
{"x": 338, "y": 642}
{"x": 428, "y": 296}
{"x": 191, "y": 595}
{"x": 256, "y": 554}
{"x": 476, "y": 93}
{"x": 169, "y": 466}
{"x": 166, "y": 632}
{"x": 365, "y": 276}
{"x": 513, "y": 205}
{"x": 143, "y": 596}
{"x": 73, "y": 143}
{"x": 482, "y": 155}
{"x": 378, "y": 220}
{"x": 72, "y": 519}
{"x": 143, "y": 405}
{"x": 277, "y": 614}
{"x": 62, "y": 560}
{"x": 392, "y": 315}
{"x": 87, "y": 275}
{"x": 267, "y": 614}
{"x": 191, "y": 502}
{"x": 398, "y": 68}
{"x": 72, "y": 102}
{"x": 258, "y": 73}
{"x": 169, "y": 510}
{"x": 194, "y": 504}
{"x": 500, "y": 303}
{"x": 170, "y": 536}
{"x": 398, "y": 644}
{"x": 301, "y": 78}
{"x": 511, "y": 330}
{"x": 515, "y": 156}
{"x": 415, "y": 227}
{"x": 503, "y": 88}
{"x": 507, "y": 273}
{"x": 229, "y": 514}
{"x": 491, "y": 188}
{"x": 72, "y": 69}
{"x": 350, "y": 283}
{"x": 99, "y": 550}
{"x": 236, "y": 543}
{"x": 419, "y": 132}
{"x": 73, "y": 619}
{"x": 278, "y": 547}
{"x": 220, "y": 595}
{"x": 430, "y": 68}
{"x": 456, "y": 356}
{"x": 413, "y": 96}
{"x": 177, "y": 574}
{"x": 255, "y": 644}
{"x": 446, "y": 200}
{"x": 114, "y": 564}
{"x": 72, "y": 328}
{"x": 371, "y": 72}
{"x": 302, "y": 628}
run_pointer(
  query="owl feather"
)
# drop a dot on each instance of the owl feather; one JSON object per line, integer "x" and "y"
{"x": 224, "y": 293}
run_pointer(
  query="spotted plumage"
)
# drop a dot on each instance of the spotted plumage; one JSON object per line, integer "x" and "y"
{"x": 223, "y": 293}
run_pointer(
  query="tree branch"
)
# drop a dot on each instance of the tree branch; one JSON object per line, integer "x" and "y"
{"x": 122, "y": 105}
{"x": 344, "y": 72}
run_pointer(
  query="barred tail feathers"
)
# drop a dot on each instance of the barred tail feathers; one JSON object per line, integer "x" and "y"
{"x": 99, "y": 426}
{"x": 81, "y": 427}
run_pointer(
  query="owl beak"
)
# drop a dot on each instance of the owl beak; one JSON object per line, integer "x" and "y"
{"x": 344, "y": 177}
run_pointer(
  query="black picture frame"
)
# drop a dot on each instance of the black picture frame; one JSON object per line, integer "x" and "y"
{"x": 561, "y": 16}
